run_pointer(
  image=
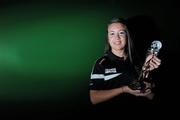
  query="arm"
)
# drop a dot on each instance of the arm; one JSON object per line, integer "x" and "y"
{"x": 152, "y": 62}
{"x": 98, "y": 96}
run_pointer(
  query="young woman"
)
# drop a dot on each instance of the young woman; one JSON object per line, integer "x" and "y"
{"x": 116, "y": 70}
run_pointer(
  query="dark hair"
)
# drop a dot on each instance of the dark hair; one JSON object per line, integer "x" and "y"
{"x": 129, "y": 48}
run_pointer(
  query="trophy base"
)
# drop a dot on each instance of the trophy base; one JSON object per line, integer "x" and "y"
{"x": 137, "y": 85}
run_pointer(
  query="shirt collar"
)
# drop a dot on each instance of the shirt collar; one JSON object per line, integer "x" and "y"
{"x": 114, "y": 57}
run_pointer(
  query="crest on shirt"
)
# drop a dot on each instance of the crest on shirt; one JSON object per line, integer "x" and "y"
{"x": 111, "y": 70}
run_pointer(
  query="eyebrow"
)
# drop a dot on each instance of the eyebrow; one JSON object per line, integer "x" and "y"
{"x": 122, "y": 31}
{"x": 114, "y": 31}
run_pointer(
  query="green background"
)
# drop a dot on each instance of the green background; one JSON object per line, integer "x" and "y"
{"x": 47, "y": 51}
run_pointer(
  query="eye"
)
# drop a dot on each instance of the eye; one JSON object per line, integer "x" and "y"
{"x": 122, "y": 33}
{"x": 111, "y": 33}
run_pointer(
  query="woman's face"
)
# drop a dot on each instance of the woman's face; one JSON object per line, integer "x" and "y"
{"x": 117, "y": 36}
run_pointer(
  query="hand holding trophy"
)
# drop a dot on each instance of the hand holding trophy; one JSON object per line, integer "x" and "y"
{"x": 151, "y": 63}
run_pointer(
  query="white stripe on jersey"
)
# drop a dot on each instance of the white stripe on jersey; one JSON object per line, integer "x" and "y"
{"x": 105, "y": 77}
{"x": 97, "y": 76}
{"x": 108, "y": 77}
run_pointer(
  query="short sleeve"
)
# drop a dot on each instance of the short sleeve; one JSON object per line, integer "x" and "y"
{"x": 97, "y": 76}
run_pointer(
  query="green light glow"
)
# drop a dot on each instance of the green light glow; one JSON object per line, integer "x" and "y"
{"x": 47, "y": 52}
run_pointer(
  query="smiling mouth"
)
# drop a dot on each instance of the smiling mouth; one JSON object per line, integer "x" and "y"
{"x": 117, "y": 43}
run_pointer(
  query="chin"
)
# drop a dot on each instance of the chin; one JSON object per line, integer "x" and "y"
{"x": 119, "y": 48}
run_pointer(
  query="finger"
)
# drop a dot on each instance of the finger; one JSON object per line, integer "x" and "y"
{"x": 149, "y": 57}
{"x": 156, "y": 59}
{"x": 136, "y": 91}
{"x": 153, "y": 65}
{"x": 147, "y": 90}
{"x": 157, "y": 62}
{"x": 144, "y": 93}
{"x": 152, "y": 59}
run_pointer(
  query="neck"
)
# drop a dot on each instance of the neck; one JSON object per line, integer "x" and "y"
{"x": 119, "y": 53}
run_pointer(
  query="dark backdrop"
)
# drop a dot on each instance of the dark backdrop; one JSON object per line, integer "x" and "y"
{"x": 47, "y": 49}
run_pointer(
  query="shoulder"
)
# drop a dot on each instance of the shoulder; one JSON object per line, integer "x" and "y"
{"x": 102, "y": 61}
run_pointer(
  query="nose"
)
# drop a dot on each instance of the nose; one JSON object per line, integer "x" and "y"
{"x": 117, "y": 37}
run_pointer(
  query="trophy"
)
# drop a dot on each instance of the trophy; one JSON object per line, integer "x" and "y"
{"x": 144, "y": 74}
